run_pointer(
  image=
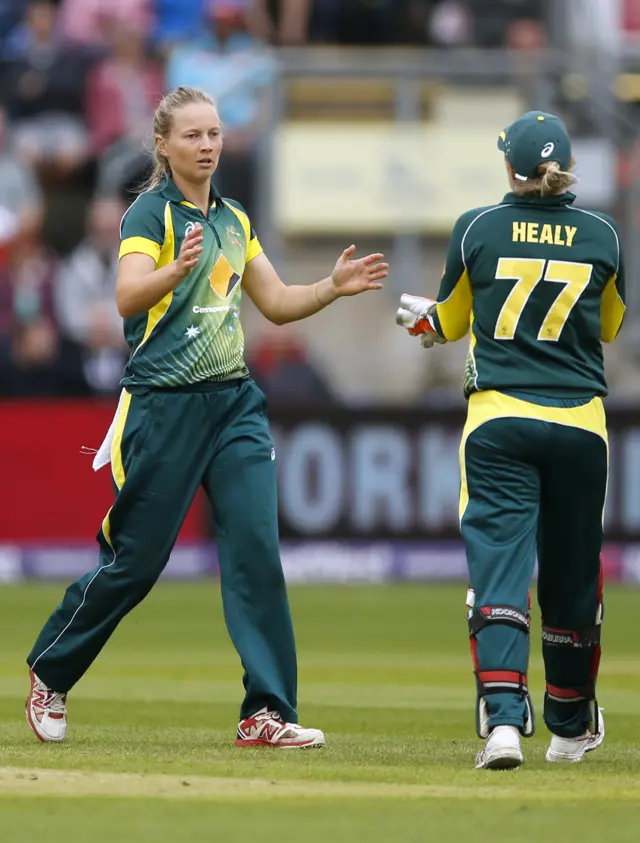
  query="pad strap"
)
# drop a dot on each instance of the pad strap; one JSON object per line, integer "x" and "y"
{"x": 589, "y": 637}
{"x": 501, "y": 682}
{"x": 572, "y": 695}
{"x": 484, "y": 616}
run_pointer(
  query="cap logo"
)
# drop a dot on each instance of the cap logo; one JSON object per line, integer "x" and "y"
{"x": 547, "y": 149}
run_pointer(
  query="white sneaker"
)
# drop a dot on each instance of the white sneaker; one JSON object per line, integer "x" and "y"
{"x": 572, "y": 750}
{"x": 267, "y": 728}
{"x": 46, "y": 711}
{"x": 501, "y": 751}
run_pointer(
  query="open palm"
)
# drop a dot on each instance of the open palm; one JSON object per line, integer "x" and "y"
{"x": 351, "y": 277}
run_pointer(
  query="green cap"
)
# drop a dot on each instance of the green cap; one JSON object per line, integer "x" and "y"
{"x": 531, "y": 140}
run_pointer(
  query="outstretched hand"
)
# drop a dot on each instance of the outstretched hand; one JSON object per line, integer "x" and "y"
{"x": 351, "y": 277}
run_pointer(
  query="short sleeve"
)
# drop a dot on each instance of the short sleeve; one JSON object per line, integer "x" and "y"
{"x": 142, "y": 229}
{"x": 452, "y": 316}
{"x": 253, "y": 246}
{"x": 612, "y": 303}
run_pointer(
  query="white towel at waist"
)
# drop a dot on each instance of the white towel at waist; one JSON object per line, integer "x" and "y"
{"x": 103, "y": 455}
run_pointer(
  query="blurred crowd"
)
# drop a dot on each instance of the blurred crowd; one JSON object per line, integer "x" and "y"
{"x": 79, "y": 81}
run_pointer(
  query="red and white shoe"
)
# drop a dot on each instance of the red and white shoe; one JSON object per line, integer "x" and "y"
{"x": 573, "y": 750}
{"x": 46, "y": 711}
{"x": 267, "y": 728}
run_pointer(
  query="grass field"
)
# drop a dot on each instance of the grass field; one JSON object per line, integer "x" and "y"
{"x": 385, "y": 671}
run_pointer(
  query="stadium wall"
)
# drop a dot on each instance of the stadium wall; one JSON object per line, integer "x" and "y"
{"x": 365, "y": 495}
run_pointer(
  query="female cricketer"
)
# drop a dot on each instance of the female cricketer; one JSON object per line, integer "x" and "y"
{"x": 540, "y": 284}
{"x": 190, "y": 416}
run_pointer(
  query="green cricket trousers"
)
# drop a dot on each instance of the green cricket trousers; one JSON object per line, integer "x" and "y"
{"x": 534, "y": 482}
{"x": 166, "y": 444}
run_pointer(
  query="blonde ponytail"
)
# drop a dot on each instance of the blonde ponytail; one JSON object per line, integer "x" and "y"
{"x": 551, "y": 181}
{"x": 162, "y": 123}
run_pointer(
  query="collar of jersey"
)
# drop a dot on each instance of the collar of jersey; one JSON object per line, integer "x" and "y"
{"x": 545, "y": 201}
{"x": 171, "y": 192}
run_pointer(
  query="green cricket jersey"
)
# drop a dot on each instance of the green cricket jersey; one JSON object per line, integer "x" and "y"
{"x": 194, "y": 333}
{"x": 540, "y": 284}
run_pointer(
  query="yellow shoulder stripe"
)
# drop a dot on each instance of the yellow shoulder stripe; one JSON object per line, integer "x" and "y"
{"x": 166, "y": 256}
{"x": 455, "y": 312}
{"x": 612, "y": 310}
{"x": 140, "y": 245}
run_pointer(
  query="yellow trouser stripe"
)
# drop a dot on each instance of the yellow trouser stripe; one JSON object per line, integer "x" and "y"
{"x": 106, "y": 527}
{"x": 489, "y": 405}
{"x": 117, "y": 466}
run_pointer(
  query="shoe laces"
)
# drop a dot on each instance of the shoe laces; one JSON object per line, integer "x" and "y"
{"x": 269, "y": 715}
{"x": 288, "y": 730}
{"x": 52, "y": 701}
{"x": 58, "y": 703}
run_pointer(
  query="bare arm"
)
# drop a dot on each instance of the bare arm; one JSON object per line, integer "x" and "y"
{"x": 140, "y": 286}
{"x": 280, "y": 303}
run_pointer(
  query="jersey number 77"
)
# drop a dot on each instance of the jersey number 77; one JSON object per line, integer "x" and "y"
{"x": 528, "y": 273}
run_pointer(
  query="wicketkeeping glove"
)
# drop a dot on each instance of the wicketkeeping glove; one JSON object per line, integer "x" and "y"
{"x": 413, "y": 314}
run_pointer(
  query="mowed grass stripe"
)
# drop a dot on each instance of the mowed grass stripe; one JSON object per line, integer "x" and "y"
{"x": 351, "y": 663}
{"x": 427, "y": 697}
{"x": 70, "y": 783}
